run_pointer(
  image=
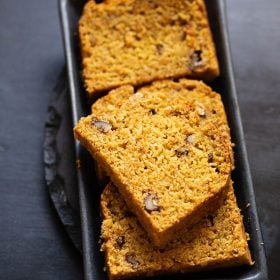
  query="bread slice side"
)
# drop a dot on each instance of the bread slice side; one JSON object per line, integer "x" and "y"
{"x": 139, "y": 41}
{"x": 163, "y": 151}
{"x": 217, "y": 241}
{"x": 114, "y": 100}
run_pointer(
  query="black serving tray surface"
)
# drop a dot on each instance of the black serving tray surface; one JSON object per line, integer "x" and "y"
{"x": 89, "y": 192}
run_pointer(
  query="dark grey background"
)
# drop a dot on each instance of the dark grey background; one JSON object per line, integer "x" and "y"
{"x": 33, "y": 244}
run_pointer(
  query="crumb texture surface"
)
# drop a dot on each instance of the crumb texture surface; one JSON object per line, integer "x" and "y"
{"x": 166, "y": 147}
{"x": 139, "y": 41}
{"x": 216, "y": 241}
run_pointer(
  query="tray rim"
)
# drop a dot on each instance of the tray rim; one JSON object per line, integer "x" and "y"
{"x": 77, "y": 112}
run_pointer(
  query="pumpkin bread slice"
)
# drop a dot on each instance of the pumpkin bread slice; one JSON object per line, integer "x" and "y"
{"x": 217, "y": 241}
{"x": 161, "y": 148}
{"x": 139, "y": 41}
{"x": 114, "y": 100}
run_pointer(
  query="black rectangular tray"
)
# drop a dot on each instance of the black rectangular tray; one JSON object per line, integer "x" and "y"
{"x": 89, "y": 192}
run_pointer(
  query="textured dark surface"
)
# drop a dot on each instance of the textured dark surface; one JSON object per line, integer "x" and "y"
{"x": 33, "y": 243}
{"x": 59, "y": 161}
{"x": 255, "y": 39}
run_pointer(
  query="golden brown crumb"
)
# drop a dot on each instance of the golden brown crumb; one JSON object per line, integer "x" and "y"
{"x": 216, "y": 241}
{"x": 139, "y": 41}
{"x": 167, "y": 148}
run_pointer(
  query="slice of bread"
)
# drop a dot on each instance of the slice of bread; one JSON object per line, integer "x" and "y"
{"x": 139, "y": 41}
{"x": 218, "y": 240}
{"x": 114, "y": 100}
{"x": 163, "y": 150}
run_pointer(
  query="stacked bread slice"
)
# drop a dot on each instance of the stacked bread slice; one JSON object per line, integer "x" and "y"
{"x": 165, "y": 146}
{"x": 139, "y": 41}
{"x": 218, "y": 240}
